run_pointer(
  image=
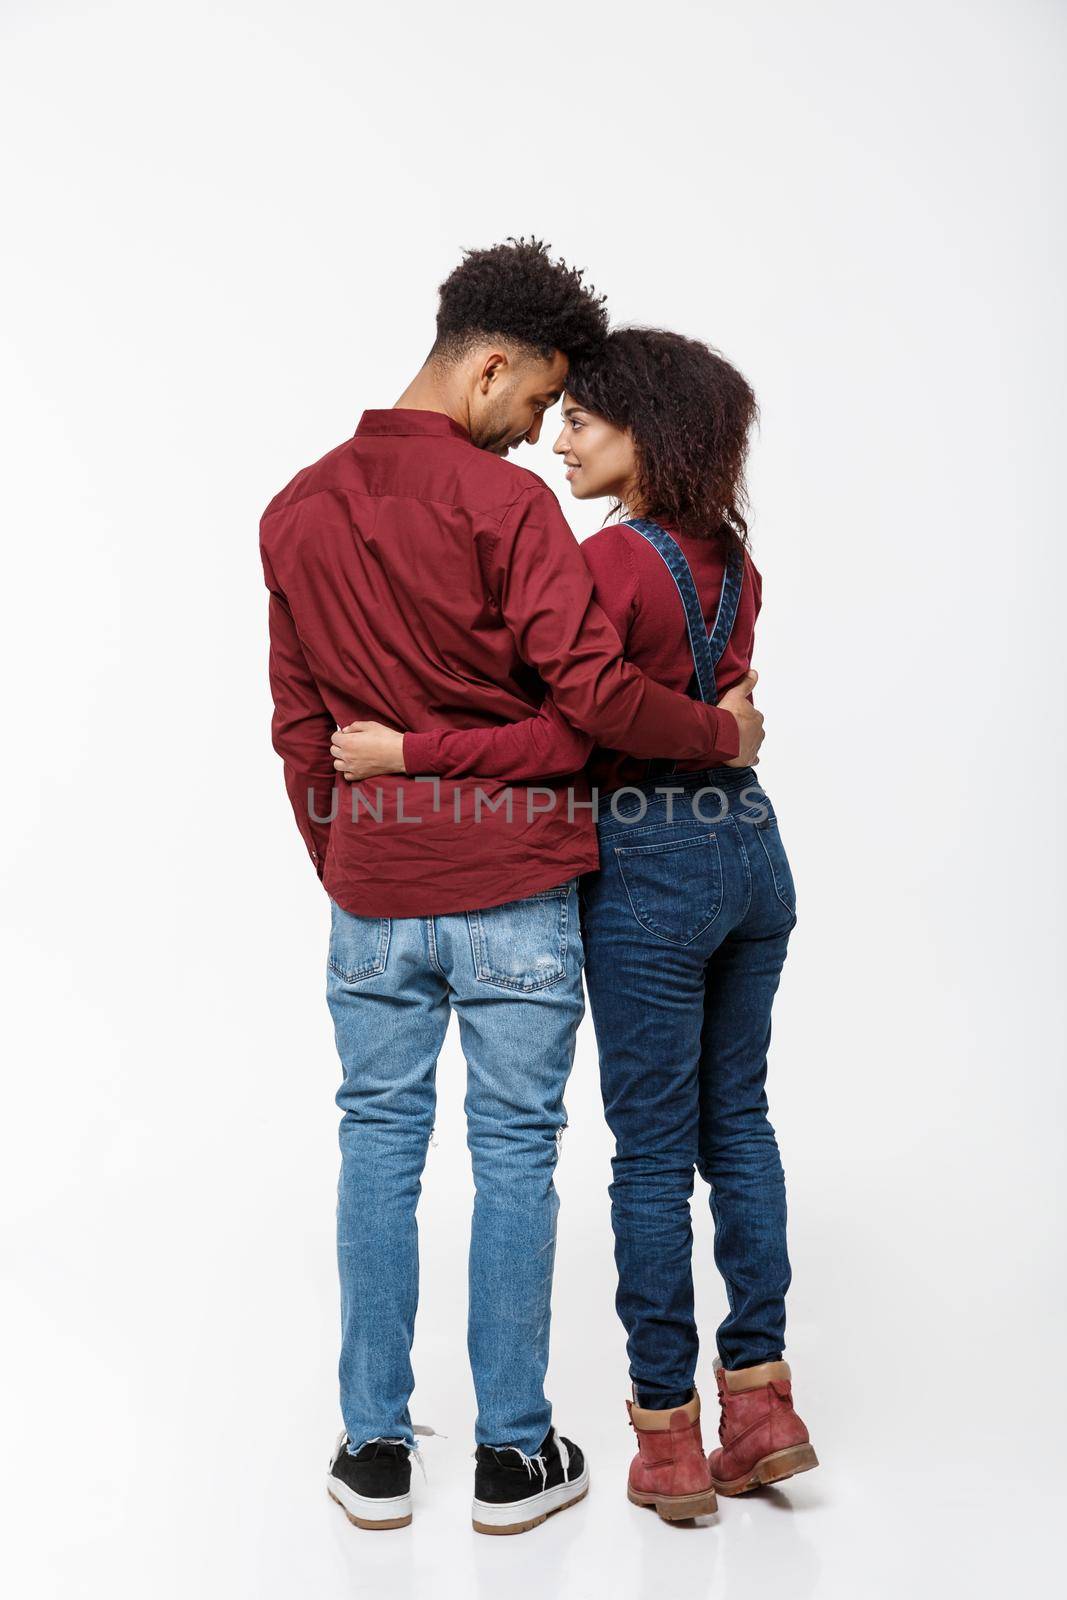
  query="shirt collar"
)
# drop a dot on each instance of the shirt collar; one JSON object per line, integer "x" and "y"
{"x": 400, "y": 421}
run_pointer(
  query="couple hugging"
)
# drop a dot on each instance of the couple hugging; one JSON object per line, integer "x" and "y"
{"x": 556, "y": 747}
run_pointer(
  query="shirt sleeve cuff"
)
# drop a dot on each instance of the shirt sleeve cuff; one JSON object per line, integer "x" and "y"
{"x": 727, "y": 736}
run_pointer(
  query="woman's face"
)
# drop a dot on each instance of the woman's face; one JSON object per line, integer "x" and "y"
{"x": 600, "y": 458}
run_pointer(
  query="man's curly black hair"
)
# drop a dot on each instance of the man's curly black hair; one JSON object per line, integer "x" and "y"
{"x": 689, "y": 413}
{"x": 515, "y": 291}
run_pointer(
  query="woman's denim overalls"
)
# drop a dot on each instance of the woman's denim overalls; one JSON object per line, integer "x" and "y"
{"x": 685, "y": 927}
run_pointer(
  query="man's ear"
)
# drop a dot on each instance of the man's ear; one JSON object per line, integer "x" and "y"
{"x": 493, "y": 369}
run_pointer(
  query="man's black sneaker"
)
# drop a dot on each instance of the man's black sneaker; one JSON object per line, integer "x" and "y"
{"x": 373, "y": 1487}
{"x": 513, "y": 1492}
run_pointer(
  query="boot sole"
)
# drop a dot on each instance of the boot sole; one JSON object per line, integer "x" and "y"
{"x": 532, "y": 1512}
{"x": 771, "y": 1469}
{"x": 375, "y": 1524}
{"x": 675, "y": 1507}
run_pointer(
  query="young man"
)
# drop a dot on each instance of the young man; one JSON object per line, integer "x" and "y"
{"x": 418, "y": 577}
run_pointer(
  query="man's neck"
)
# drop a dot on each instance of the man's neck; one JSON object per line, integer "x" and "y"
{"x": 429, "y": 392}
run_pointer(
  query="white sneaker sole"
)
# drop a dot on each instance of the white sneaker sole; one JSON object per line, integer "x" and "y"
{"x": 519, "y": 1515}
{"x": 366, "y": 1513}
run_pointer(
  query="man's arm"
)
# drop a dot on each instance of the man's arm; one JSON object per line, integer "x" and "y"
{"x": 545, "y": 593}
{"x": 301, "y": 728}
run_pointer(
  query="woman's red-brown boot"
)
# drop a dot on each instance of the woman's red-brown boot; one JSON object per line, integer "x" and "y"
{"x": 762, "y": 1440}
{"x": 670, "y": 1470}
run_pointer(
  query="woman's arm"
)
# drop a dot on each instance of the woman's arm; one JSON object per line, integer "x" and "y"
{"x": 542, "y": 746}
{"x": 545, "y": 746}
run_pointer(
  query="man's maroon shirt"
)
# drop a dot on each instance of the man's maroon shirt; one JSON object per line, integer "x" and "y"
{"x": 418, "y": 581}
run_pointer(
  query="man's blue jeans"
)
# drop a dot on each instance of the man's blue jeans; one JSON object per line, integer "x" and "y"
{"x": 513, "y": 975}
{"x": 686, "y": 926}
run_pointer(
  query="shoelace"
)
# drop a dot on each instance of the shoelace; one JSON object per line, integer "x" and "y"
{"x": 530, "y": 1462}
{"x": 784, "y": 1399}
{"x": 414, "y": 1453}
{"x": 423, "y": 1432}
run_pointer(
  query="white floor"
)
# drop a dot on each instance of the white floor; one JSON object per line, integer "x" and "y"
{"x": 172, "y": 1399}
{"x": 840, "y": 1534}
{"x": 834, "y": 1535}
{"x": 204, "y": 1505}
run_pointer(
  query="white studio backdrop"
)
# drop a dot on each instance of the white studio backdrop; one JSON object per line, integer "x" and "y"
{"x": 226, "y": 226}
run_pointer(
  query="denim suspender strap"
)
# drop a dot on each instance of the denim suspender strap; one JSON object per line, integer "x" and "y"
{"x": 706, "y": 648}
{"x": 726, "y": 614}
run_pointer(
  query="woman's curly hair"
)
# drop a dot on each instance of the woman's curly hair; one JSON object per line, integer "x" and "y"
{"x": 688, "y": 412}
{"x": 516, "y": 291}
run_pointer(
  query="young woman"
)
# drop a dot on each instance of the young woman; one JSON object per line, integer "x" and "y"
{"x": 687, "y": 921}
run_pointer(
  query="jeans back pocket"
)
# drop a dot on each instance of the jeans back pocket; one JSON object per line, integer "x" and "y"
{"x": 781, "y": 874}
{"x": 674, "y": 888}
{"x": 359, "y": 946}
{"x": 522, "y": 945}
